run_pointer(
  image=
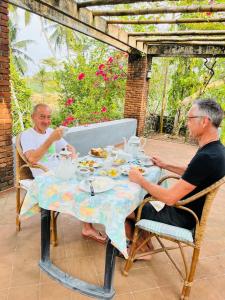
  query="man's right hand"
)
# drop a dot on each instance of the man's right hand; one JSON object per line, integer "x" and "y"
{"x": 158, "y": 162}
{"x": 56, "y": 135}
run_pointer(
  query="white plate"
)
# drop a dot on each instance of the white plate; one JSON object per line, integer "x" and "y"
{"x": 100, "y": 184}
{"x": 95, "y": 164}
{"x": 125, "y": 170}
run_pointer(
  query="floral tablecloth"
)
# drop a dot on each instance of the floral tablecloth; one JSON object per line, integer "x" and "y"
{"x": 109, "y": 208}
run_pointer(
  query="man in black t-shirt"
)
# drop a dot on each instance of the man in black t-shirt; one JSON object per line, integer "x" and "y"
{"x": 206, "y": 167}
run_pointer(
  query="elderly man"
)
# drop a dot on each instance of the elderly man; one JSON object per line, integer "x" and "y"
{"x": 40, "y": 143}
{"x": 205, "y": 168}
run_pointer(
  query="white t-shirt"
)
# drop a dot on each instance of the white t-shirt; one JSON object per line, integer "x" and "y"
{"x": 31, "y": 140}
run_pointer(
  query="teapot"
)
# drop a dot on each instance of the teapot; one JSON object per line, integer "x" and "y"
{"x": 65, "y": 169}
{"x": 132, "y": 145}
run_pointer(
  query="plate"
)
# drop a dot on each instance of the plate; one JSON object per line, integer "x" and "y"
{"x": 100, "y": 184}
{"x": 126, "y": 170}
{"x": 112, "y": 172}
{"x": 89, "y": 164}
{"x": 119, "y": 162}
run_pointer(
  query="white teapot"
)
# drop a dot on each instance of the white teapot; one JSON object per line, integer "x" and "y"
{"x": 133, "y": 145}
{"x": 65, "y": 169}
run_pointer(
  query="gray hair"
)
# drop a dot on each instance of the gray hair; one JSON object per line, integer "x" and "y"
{"x": 37, "y": 106}
{"x": 211, "y": 109}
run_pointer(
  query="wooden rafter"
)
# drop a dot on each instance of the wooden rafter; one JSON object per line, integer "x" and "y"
{"x": 191, "y": 49}
{"x": 168, "y": 21}
{"x": 179, "y": 33}
{"x": 181, "y": 39}
{"x": 113, "y": 2}
{"x": 161, "y": 10}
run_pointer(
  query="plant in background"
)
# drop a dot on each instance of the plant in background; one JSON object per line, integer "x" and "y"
{"x": 91, "y": 91}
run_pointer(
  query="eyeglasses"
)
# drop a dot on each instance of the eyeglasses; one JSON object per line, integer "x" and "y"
{"x": 195, "y": 117}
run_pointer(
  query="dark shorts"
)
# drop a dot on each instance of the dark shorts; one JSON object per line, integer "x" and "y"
{"x": 169, "y": 215}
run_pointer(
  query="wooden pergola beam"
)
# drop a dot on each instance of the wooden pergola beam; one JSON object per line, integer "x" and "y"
{"x": 183, "y": 39}
{"x": 176, "y": 21}
{"x": 66, "y": 13}
{"x": 187, "y": 50}
{"x": 113, "y": 2}
{"x": 179, "y": 33}
{"x": 161, "y": 10}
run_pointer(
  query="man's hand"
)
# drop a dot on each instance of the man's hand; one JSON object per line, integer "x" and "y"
{"x": 56, "y": 135}
{"x": 73, "y": 150}
{"x": 158, "y": 162}
{"x": 135, "y": 176}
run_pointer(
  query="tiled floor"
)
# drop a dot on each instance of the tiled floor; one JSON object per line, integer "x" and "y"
{"x": 21, "y": 278}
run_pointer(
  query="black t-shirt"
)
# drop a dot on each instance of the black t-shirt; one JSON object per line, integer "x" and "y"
{"x": 206, "y": 167}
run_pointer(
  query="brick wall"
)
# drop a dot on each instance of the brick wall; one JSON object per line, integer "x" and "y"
{"x": 6, "y": 155}
{"x": 137, "y": 89}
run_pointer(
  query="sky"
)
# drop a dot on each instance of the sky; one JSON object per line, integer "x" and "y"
{"x": 37, "y": 50}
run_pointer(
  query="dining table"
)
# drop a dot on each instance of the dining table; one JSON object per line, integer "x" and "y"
{"x": 109, "y": 207}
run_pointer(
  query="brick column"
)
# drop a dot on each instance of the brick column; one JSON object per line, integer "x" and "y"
{"x": 137, "y": 89}
{"x": 6, "y": 154}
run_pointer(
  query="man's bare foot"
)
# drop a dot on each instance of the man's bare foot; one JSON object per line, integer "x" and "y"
{"x": 95, "y": 235}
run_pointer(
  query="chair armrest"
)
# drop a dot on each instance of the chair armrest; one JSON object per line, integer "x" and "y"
{"x": 168, "y": 177}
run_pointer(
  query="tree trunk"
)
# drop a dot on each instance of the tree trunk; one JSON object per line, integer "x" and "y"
{"x": 164, "y": 97}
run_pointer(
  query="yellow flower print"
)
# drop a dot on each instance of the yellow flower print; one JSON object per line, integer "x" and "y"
{"x": 52, "y": 190}
{"x": 86, "y": 211}
{"x": 67, "y": 196}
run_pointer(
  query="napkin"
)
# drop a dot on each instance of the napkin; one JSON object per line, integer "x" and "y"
{"x": 158, "y": 205}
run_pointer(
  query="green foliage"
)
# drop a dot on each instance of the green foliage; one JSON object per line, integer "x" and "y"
{"x": 92, "y": 86}
{"x": 22, "y": 94}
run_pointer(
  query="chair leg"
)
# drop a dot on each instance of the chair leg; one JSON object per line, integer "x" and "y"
{"x": 130, "y": 260}
{"x": 188, "y": 282}
{"x": 18, "y": 223}
{"x": 53, "y": 228}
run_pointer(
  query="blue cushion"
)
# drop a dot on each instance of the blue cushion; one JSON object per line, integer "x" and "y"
{"x": 178, "y": 233}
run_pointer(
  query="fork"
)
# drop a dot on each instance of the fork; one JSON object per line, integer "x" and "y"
{"x": 91, "y": 187}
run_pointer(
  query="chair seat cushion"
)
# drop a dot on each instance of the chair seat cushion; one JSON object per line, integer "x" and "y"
{"x": 26, "y": 183}
{"x": 178, "y": 233}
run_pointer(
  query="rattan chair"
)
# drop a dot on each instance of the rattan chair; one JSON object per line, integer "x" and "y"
{"x": 24, "y": 178}
{"x": 182, "y": 237}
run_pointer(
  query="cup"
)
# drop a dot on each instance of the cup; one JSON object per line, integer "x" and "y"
{"x": 83, "y": 173}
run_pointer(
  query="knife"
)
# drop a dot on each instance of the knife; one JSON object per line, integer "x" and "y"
{"x": 91, "y": 187}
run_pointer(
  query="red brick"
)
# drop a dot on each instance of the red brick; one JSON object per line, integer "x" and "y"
{"x": 4, "y": 17}
{"x": 3, "y": 10}
{"x": 4, "y": 4}
{"x": 4, "y": 47}
{"x": 4, "y": 89}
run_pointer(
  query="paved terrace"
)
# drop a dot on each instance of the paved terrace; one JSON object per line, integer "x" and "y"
{"x": 21, "y": 278}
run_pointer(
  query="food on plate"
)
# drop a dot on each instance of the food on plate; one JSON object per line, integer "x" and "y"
{"x": 99, "y": 152}
{"x": 141, "y": 170}
{"x": 88, "y": 163}
{"x": 126, "y": 170}
{"x": 119, "y": 161}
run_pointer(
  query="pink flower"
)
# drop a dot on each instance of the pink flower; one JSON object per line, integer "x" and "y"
{"x": 115, "y": 77}
{"x": 104, "y": 109}
{"x": 69, "y": 101}
{"x": 121, "y": 67}
{"x": 68, "y": 120}
{"x": 101, "y": 66}
{"x": 81, "y": 76}
{"x": 64, "y": 123}
{"x": 110, "y": 60}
